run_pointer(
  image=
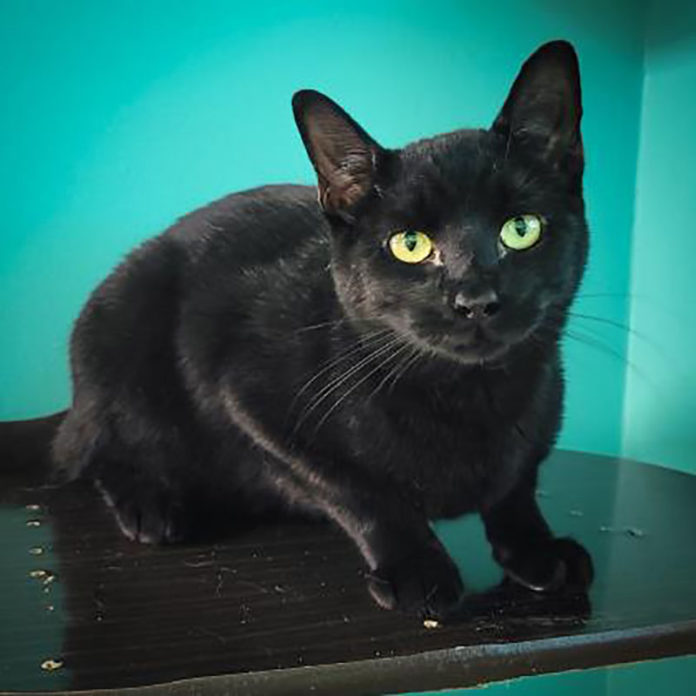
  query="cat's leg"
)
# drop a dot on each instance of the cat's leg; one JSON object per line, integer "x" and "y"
{"x": 147, "y": 503}
{"x": 135, "y": 463}
{"x": 409, "y": 569}
{"x": 525, "y": 547}
{"x": 422, "y": 579}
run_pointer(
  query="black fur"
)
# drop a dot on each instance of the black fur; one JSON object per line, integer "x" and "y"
{"x": 264, "y": 356}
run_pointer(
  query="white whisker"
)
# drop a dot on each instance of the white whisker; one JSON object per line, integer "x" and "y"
{"x": 341, "y": 379}
{"x": 393, "y": 355}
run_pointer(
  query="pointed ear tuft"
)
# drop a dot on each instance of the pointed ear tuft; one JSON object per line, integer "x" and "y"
{"x": 544, "y": 107}
{"x": 344, "y": 156}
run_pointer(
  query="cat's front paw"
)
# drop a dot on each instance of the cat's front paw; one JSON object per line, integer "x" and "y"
{"x": 426, "y": 583}
{"x": 148, "y": 517}
{"x": 556, "y": 564}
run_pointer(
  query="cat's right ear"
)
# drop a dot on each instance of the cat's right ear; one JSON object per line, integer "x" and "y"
{"x": 344, "y": 156}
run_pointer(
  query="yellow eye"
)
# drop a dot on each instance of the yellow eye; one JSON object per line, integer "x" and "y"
{"x": 521, "y": 232}
{"x": 411, "y": 246}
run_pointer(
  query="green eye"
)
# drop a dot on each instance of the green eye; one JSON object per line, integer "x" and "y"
{"x": 521, "y": 232}
{"x": 411, "y": 246}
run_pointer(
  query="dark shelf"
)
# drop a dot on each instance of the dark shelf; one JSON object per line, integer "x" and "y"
{"x": 284, "y": 609}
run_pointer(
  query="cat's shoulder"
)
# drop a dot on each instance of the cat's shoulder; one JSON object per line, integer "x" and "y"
{"x": 252, "y": 242}
{"x": 272, "y": 209}
{"x": 256, "y": 226}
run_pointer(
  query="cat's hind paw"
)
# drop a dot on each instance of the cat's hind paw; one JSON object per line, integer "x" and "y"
{"x": 149, "y": 519}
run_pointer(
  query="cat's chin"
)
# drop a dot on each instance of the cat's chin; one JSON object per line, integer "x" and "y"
{"x": 483, "y": 350}
{"x": 476, "y": 345}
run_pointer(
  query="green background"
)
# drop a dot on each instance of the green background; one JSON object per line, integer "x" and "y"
{"x": 119, "y": 117}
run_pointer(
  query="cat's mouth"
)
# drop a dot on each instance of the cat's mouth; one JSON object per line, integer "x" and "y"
{"x": 480, "y": 347}
{"x": 475, "y": 348}
{"x": 473, "y": 345}
{"x": 473, "y": 342}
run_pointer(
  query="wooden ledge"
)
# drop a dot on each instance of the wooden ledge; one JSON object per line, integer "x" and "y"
{"x": 284, "y": 609}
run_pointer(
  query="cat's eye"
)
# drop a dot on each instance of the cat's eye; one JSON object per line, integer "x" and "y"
{"x": 411, "y": 246}
{"x": 521, "y": 232}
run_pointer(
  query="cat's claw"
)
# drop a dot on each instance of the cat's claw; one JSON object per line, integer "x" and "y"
{"x": 559, "y": 564}
{"x": 147, "y": 522}
{"x": 426, "y": 584}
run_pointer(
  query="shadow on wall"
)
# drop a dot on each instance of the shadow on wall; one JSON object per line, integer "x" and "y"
{"x": 670, "y": 24}
{"x": 606, "y": 21}
{"x": 667, "y": 24}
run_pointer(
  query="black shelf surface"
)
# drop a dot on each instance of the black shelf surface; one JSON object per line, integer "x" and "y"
{"x": 284, "y": 609}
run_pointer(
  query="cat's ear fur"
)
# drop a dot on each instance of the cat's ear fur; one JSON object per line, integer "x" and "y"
{"x": 344, "y": 156}
{"x": 544, "y": 107}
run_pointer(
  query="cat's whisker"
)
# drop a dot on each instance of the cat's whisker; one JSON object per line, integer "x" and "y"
{"x": 341, "y": 382}
{"x": 603, "y": 348}
{"x": 333, "y": 322}
{"x": 394, "y": 370}
{"x": 363, "y": 342}
{"x": 417, "y": 355}
{"x": 323, "y": 393}
{"x": 603, "y": 320}
{"x": 394, "y": 354}
{"x": 412, "y": 359}
{"x": 618, "y": 325}
{"x": 382, "y": 347}
{"x": 312, "y": 327}
{"x": 597, "y": 343}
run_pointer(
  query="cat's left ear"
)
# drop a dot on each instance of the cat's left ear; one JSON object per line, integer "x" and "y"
{"x": 344, "y": 156}
{"x": 544, "y": 107}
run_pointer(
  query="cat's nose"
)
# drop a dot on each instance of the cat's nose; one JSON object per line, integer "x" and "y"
{"x": 478, "y": 306}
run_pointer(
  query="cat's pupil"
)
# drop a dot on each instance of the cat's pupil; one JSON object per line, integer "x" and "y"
{"x": 410, "y": 240}
{"x": 520, "y": 226}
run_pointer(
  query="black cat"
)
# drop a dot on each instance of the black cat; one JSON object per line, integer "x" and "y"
{"x": 383, "y": 357}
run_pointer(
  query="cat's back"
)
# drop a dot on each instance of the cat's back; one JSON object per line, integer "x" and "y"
{"x": 237, "y": 248}
{"x": 259, "y": 259}
{"x": 259, "y": 225}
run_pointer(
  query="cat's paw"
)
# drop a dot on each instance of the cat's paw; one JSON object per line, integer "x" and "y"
{"x": 149, "y": 518}
{"x": 557, "y": 564}
{"x": 426, "y": 583}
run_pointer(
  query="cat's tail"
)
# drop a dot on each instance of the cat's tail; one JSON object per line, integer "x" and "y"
{"x": 25, "y": 448}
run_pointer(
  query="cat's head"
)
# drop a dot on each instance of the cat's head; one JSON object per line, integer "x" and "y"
{"x": 468, "y": 243}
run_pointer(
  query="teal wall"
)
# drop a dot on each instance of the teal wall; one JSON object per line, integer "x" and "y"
{"x": 660, "y": 400}
{"x": 674, "y": 677}
{"x": 118, "y": 117}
